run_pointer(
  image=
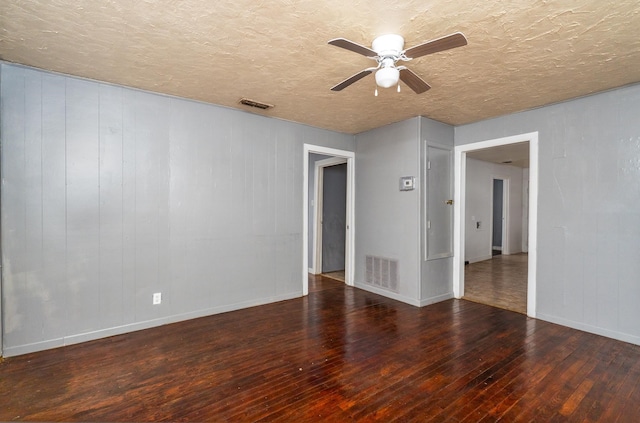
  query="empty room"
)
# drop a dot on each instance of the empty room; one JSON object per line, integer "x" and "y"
{"x": 277, "y": 211}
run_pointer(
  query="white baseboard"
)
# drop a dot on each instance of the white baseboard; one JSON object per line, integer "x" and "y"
{"x": 402, "y": 298}
{"x": 477, "y": 259}
{"x": 133, "y": 327}
{"x": 621, "y": 336}
{"x": 436, "y": 299}
{"x": 388, "y": 294}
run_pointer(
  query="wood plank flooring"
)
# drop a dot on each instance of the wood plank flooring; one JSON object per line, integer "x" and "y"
{"x": 339, "y": 354}
{"x": 499, "y": 282}
{"x": 337, "y": 275}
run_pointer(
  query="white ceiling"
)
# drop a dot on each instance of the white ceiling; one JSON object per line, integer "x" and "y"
{"x": 521, "y": 54}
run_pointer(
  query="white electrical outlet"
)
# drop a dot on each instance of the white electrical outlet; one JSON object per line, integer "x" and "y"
{"x": 157, "y": 298}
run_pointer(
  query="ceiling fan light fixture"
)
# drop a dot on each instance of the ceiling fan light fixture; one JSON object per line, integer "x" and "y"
{"x": 387, "y": 50}
{"x": 388, "y": 45}
{"x": 387, "y": 77}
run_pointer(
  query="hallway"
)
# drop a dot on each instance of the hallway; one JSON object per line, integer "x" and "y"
{"x": 500, "y": 282}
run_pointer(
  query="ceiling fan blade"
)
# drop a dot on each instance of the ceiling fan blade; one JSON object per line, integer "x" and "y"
{"x": 440, "y": 44}
{"x": 358, "y": 76}
{"x": 413, "y": 81}
{"x": 351, "y": 46}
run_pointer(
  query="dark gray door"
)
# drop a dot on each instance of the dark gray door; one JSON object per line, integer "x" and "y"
{"x": 334, "y": 217}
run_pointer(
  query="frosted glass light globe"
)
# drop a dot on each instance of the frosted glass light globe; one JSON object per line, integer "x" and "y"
{"x": 387, "y": 77}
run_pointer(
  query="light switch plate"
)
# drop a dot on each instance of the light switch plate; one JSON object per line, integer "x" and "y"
{"x": 407, "y": 183}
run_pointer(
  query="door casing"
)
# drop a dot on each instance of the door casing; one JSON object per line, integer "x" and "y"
{"x": 320, "y": 165}
{"x": 460, "y": 164}
{"x": 350, "y": 235}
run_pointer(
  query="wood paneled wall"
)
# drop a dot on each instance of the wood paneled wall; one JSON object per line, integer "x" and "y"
{"x": 111, "y": 194}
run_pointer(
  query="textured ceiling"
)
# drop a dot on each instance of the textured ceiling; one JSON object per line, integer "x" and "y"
{"x": 521, "y": 54}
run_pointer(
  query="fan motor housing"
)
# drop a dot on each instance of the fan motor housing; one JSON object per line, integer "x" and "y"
{"x": 388, "y": 45}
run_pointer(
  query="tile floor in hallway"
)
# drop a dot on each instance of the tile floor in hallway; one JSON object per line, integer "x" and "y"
{"x": 499, "y": 282}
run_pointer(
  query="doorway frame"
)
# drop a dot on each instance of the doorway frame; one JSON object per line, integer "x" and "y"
{"x": 349, "y": 258}
{"x": 318, "y": 203}
{"x": 460, "y": 166}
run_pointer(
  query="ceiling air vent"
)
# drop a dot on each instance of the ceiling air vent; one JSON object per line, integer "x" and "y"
{"x": 256, "y": 104}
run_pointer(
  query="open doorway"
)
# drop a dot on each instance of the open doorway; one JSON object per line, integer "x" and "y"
{"x": 473, "y": 226}
{"x": 310, "y": 252}
{"x": 497, "y": 271}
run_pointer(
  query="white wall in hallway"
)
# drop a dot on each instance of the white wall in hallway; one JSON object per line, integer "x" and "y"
{"x": 479, "y": 208}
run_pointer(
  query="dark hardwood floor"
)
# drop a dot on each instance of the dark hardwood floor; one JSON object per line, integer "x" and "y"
{"x": 340, "y": 354}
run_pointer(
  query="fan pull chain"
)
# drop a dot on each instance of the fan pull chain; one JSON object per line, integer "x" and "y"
{"x": 398, "y": 87}
{"x": 376, "y": 92}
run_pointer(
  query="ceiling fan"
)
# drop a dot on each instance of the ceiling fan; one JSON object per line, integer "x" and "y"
{"x": 387, "y": 50}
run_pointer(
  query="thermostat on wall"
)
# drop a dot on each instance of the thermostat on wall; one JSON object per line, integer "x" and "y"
{"x": 407, "y": 183}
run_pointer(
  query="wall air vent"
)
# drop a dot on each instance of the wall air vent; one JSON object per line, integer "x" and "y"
{"x": 256, "y": 104}
{"x": 382, "y": 272}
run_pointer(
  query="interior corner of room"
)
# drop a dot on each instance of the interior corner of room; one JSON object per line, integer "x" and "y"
{"x": 101, "y": 209}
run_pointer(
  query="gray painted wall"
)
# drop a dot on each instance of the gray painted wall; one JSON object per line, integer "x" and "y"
{"x": 334, "y": 217}
{"x": 588, "y": 208}
{"x": 387, "y": 220}
{"x": 436, "y": 277}
{"x": 111, "y": 194}
{"x": 391, "y": 223}
{"x": 478, "y": 208}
